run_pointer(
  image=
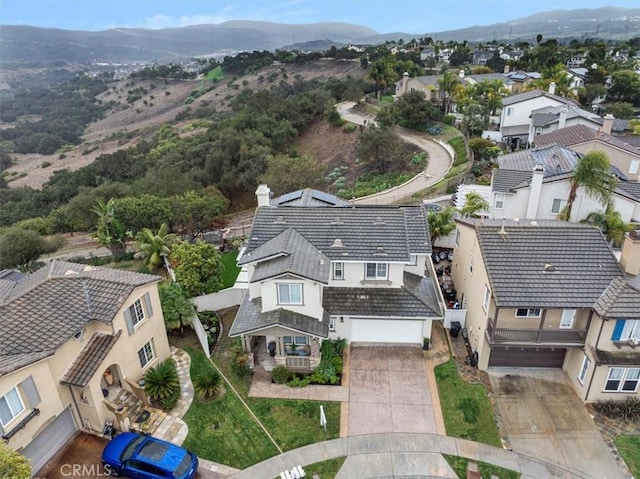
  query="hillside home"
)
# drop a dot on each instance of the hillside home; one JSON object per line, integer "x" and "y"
{"x": 520, "y": 80}
{"x": 515, "y": 118}
{"x": 551, "y": 118}
{"x": 322, "y": 271}
{"x": 512, "y": 56}
{"x": 577, "y": 60}
{"x": 535, "y": 184}
{"x": 583, "y": 139}
{"x": 551, "y": 294}
{"x": 73, "y": 336}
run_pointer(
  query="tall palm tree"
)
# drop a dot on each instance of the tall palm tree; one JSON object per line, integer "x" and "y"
{"x": 441, "y": 223}
{"x": 155, "y": 246}
{"x": 593, "y": 173}
{"x": 109, "y": 230}
{"x": 611, "y": 224}
{"x": 447, "y": 85}
{"x": 474, "y": 204}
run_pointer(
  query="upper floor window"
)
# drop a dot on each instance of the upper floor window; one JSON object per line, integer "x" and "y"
{"x": 557, "y": 205}
{"x": 289, "y": 293}
{"x": 509, "y": 111}
{"x": 626, "y": 330}
{"x": 498, "y": 201}
{"x": 486, "y": 298}
{"x": 634, "y": 166}
{"x": 622, "y": 380}
{"x": 413, "y": 259}
{"x": 376, "y": 271}
{"x": 338, "y": 270}
{"x": 528, "y": 312}
{"x": 137, "y": 312}
{"x": 457, "y": 237}
{"x": 11, "y": 405}
{"x": 145, "y": 354}
{"x": 332, "y": 323}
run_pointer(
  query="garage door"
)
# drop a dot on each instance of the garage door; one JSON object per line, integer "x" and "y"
{"x": 47, "y": 443}
{"x": 386, "y": 331}
{"x": 527, "y": 357}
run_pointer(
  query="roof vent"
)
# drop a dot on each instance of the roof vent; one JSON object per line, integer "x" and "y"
{"x": 533, "y": 223}
{"x": 279, "y": 221}
{"x": 89, "y": 268}
{"x": 337, "y": 221}
{"x": 71, "y": 272}
{"x": 379, "y": 221}
{"x": 548, "y": 267}
{"x": 337, "y": 243}
{"x": 380, "y": 251}
{"x": 363, "y": 296}
{"x": 502, "y": 231}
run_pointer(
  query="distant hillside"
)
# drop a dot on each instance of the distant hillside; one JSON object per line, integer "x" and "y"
{"x": 24, "y": 44}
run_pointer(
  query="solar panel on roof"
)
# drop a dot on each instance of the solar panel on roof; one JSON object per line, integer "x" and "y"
{"x": 322, "y": 196}
{"x": 294, "y": 195}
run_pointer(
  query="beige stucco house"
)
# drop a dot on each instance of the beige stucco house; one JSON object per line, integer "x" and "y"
{"x": 73, "y": 337}
{"x": 552, "y": 294}
{"x": 321, "y": 268}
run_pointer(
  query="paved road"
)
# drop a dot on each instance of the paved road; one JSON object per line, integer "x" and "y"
{"x": 440, "y": 160}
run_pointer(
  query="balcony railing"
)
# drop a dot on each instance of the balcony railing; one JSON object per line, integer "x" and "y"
{"x": 538, "y": 336}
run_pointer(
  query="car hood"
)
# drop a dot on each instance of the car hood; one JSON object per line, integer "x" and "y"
{"x": 113, "y": 450}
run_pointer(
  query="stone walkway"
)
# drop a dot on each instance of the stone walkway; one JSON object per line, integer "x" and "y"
{"x": 402, "y": 455}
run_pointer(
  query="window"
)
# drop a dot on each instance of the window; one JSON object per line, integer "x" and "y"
{"x": 498, "y": 201}
{"x": 457, "y": 237}
{"x": 289, "y": 293}
{"x": 11, "y": 406}
{"x": 471, "y": 265}
{"x": 509, "y": 111}
{"x": 413, "y": 259}
{"x": 338, "y": 270}
{"x": 568, "y": 317}
{"x": 376, "y": 271}
{"x": 485, "y": 300}
{"x": 626, "y": 330}
{"x": 332, "y": 323}
{"x": 137, "y": 313}
{"x": 622, "y": 380}
{"x": 634, "y": 166}
{"x": 584, "y": 368}
{"x": 297, "y": 340}
{"x": 557, "y": 205}
{"x": 528, "y": 313}
{"x": 145, "y": 354}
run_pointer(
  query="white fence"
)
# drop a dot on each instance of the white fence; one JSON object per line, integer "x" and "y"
{"x": 220, "y": 300}
{"x": 202, "y": 334}
{"x": 459, "y": 315}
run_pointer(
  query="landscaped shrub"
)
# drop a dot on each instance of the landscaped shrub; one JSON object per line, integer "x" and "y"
{"x": 162, "y": 381}
{"x": 449, "y": 120}
{"x": 209, "y": 384}
{"x": 626, "y": 409}
{"x": 337, "y": 364}
{"x": 460, "y": 148}
{"x": 281, "y": 375}
{"x": 171, "y": 400}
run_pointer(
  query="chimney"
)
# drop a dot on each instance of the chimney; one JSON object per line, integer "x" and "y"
{"x": 506, "y": 69}
{"x": 263, "y": 193}
{"x": 630, "y": 257}
{"x": 534, "y": 192}
{"x": 607, "y": 123}
{"x": 552, "y": 88}
{"x": 562, "y": 117}
{"x": 405, "y": 82}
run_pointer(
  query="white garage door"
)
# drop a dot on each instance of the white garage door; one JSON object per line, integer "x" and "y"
{"x": 49, "y": 441}
{"x": 386, "y": 331}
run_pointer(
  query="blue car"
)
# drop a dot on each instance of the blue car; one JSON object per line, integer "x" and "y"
{"x": 145, "y": 457}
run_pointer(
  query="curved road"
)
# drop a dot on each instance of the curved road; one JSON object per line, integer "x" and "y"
{"x": 440, "y": 160}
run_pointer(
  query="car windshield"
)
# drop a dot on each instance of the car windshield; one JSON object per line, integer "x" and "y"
{"x": 130, "y": 449}
{"x": 184, "y": 465}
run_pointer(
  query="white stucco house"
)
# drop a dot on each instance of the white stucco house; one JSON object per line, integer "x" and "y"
{"x": 321, "y": 268}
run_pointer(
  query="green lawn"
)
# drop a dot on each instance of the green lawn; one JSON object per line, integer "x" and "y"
{"x": 325, "y": 469}
{"x": 629, "y": 448}
{"x": 231, "y": 270}
{"x": 459, "y": 465}
{"x": 465, "y": 407}
{"x": 239, "y": 441}
{"x": 215, "y": 74}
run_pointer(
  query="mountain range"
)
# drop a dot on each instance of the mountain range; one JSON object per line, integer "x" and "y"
{"x": 35, "y": 45}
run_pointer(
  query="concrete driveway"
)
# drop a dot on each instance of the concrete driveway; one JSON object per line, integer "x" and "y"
{"x": 544, "y": 418}
{"x": 388, "y": 390}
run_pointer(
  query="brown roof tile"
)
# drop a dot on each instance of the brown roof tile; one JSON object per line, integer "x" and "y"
{"x": 88, "y": 360}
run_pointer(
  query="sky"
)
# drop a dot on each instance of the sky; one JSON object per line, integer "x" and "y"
{"x": 410, "y": 16}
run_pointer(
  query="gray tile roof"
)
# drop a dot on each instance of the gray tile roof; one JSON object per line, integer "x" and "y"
{"x": 545, "y": 264}
{"x": 45, "y": 309}
{"x": 504, "y": 181}
{"x": 621, "y": 300}
{"x": 250, "y": 318}
{"x": 528, "y": 95}
{"x": 399, "y": 230}
{"x": 308, "y": 197}
{"x": 89, "y": 359}
{"x": 551, "y": 114}
{"x": 577, "y": 134}
{"x": 416, "y": 299}
{"x": 297, "y": 256}
{"x": 631, "y": 188}
{"x": 555, "y": 159}
{"x": 515, "y": 130}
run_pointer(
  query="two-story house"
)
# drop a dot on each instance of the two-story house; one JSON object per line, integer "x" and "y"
{"x": 551, "y": 118}
{"x": 535, "y": 184}
{"x": 516, "y": 113}
{"x": 315, "y": 272}
{"x": 581, "y": 138}
{"x": 550, "y": 294}
{"x": 72, "y": 336}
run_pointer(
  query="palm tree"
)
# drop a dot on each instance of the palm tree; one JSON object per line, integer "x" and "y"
{"x": 209, "y": 384}
{"x": 154, "y": 247}
{"x": 441, "y": 223}
{"x": 162, "y": 380}
{"x": 447, "y": 85}
{"x": 109, "y": 230}
{"x": 593, "y": 173}
{"x": 611, "y": 224}
{"x": 474, "y": 204}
